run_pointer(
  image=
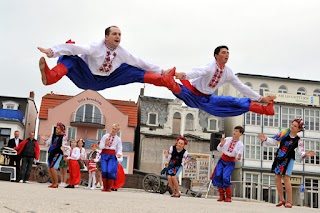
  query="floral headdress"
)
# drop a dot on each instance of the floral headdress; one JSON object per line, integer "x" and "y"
{"x": 300, "y": 123}
{"x": 182, "y": 138}
{"x": 62, "y": 126}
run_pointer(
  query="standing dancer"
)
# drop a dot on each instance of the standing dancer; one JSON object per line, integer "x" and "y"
{"x": 102, "y": 65}
{"x": 55, "y": 153}
{"x": 111, "y": 149}
{"x": 206, "y": 80}
{"x": 73, "y": 164}
{"x": 231, "y": 147}
{"x": 285, "y": 157}
{"x": 178, "y": 157}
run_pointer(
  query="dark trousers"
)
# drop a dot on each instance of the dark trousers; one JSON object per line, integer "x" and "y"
{"x": 16, "y": 159}
{"x": 26, "y": 167}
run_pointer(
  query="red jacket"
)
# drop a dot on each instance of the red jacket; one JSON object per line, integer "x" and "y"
{"x": 36, "y": 149}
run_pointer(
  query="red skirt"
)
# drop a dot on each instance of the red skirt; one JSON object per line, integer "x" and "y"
{"x": 120, "y": 179}
{"x": 74, "y": 171}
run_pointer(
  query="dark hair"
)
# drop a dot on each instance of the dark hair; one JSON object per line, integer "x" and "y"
{"x": 108, "y": 30}
{"x": 240, "y": 128}
{"x": 83, "y": 142}
{"x": 94, "y": 154}
{"x": 217, "y": 50}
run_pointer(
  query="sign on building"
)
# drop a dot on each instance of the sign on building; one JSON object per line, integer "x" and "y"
{"x": 293, "y": 98}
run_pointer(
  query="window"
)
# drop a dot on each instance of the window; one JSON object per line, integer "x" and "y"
{"x": 269, "y": 152}
{"x": 283, "y": 89}
{"x": 253, "y": 118}
{"x": 252, "y": 147}
{"x": 189, "y": 122}
{"x": 312, "y": 119}
{"x": 125, "y": 164}
{"x": 316, "y": 92}
{"x": 301, "y": 91}
{"x": 272, "y": 121}
{"x": 88, "y": 113}
{"x": 176, "y": 124}
{"x": 4, "y": 136}
{"x": 249, "y": 84}
{"x": 71, "y": 133}
{"x": 119, "y": 134}
{"x": 263, "y": 88}
{"x": 268, "y": 183}
{"x": 213, "y": 124}
{"x": 10, "y": 105}
{"x": 152, "y": 119}
{"x": 252, "y": 185}
{"x": 288, "y": 114}
{"x": 100, "y": 133}
{"x": 43, "y": 156}
{"x": 312, "y": 188}
{"x": 315, "y": 146}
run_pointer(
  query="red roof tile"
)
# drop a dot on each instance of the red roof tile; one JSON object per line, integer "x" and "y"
{"x": 129, "y": 108}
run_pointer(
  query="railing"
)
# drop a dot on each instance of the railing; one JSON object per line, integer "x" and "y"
{"x": 94, "y": 119}
{"x": 11, "y": 114}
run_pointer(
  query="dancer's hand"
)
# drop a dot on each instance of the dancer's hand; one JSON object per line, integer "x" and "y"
{"x": 166, "y": 153}
{"x": 107, "y": 142}
{"x": 309, "y": 153}
{"x": 268, "y": 99}
{"x": 239, "y": 156}
{"x": 119, "y": 156}
{"x": 222, "y": 141}
{"x": 166, "y": 72}
{"x": 262, "y": 137}
{"x": 180, "y": 75}
{"x": 45, "y": 51}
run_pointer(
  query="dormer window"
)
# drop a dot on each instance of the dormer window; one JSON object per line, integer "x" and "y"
{"x": 10, "y": 105}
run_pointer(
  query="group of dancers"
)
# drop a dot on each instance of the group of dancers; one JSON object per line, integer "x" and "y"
{"x": 64, "y": 156}
{"x": 106, "y": 64}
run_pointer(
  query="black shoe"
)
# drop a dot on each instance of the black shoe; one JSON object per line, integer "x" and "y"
{"x": 69, "y": 186}
{"x": 114, "y": 189}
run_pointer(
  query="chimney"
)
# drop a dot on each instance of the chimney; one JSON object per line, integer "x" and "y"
{"x": 141, "y": 91}
{"x": 31, "y": 95}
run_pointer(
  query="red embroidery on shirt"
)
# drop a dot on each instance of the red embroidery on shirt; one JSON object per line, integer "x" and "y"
{"x": 231, "y": 146}
{"x": 216, "y": 77}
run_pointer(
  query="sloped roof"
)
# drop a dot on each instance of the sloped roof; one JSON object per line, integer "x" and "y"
{"x": 51, "y": 100}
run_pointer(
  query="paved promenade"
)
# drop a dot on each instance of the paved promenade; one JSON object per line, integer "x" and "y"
{"x": 38, "y": 198}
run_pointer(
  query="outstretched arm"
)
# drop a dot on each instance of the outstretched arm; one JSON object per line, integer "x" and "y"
{"x": 247, "y": 91}
{"x": 265, "y": 141}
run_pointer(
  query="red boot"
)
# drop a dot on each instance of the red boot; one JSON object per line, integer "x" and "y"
{"x": 163, "y": 80}
{"x": 222, "y": 197}
{"x": 228, "y": 194}
{"x": 261, "y": 109}
{"x": 109, "y": 185}
{"x": 51, "y": 76}
{"x": 105, "y": 184}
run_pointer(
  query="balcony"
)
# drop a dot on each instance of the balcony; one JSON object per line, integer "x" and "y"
{"x": 88, "y": 120}
{"x": 10, "y": 114}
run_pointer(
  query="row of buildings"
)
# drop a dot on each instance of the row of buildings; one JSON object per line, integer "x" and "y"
{"x": 151, "y": 125}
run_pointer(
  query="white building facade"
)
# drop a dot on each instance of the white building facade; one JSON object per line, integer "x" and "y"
{"x": 295, "y": 98}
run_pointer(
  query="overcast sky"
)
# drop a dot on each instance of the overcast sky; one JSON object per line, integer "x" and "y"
{"x": 274, "y": 37}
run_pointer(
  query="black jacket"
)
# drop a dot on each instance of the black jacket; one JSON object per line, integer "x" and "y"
{"x": 12, "y": 143}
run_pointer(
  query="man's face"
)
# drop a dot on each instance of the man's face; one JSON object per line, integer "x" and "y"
{"x": 16, "y": 134}
{"x": 114, "y": 37}
{"x": 223, "y": 56}
{"x": 31, "y": 135}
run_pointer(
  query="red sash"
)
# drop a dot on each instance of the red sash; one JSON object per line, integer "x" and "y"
{"x": 194, "y": 90}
